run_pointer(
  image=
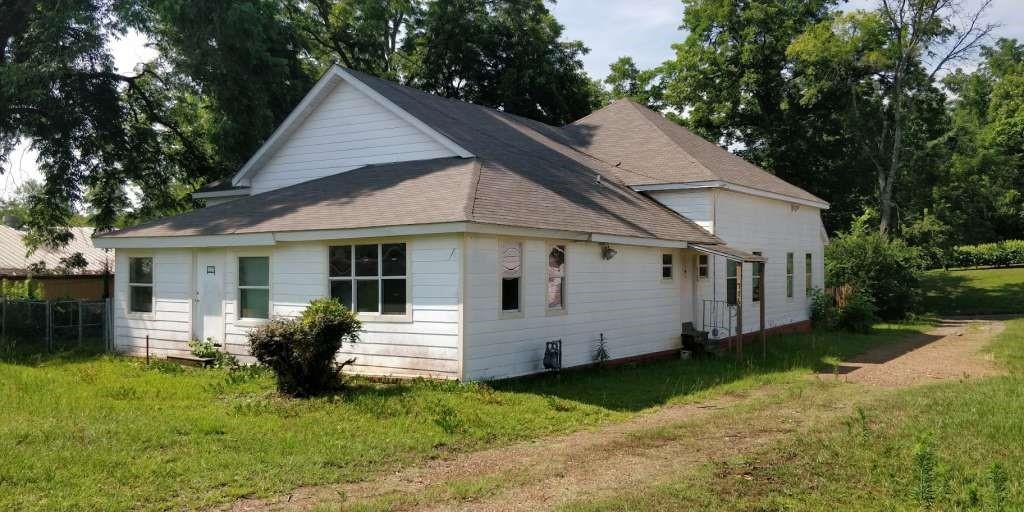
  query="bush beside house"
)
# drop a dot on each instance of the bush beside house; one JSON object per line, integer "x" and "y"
{"x": 303, "y": 351}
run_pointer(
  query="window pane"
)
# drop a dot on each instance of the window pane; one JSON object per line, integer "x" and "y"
{"x": 511, "y": 259}
{"x": 730, "y": 291}
{"x": 393, "y": 256}
{"x": 510, "y": 294}
{"x": 142, "y": 299}
{"x": 556, "y": 288}
{"x": 666, "y": 259}
{"x": 702, "y": 265}
{"x": 367, "y": 298}
{"x": 254, "y": 271}
{"x": 366, "y": 260}
{"x": 342, "y": 290}
{"x": 730, "y": 269}
{"x": 255, "y": 303}
{"x": 758, "y": 268}
{"x": 393, "y": 296}
{"x": 341, "y": 261}
{"x": 141, "y": 270}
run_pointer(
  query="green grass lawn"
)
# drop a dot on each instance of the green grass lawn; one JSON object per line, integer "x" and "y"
{"x": 102, "y": 433}
{"x": 974, "y": 292}
{"x": 926, "y": 448}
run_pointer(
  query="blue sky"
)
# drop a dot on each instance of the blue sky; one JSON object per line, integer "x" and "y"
{"x": 643, "y": 29}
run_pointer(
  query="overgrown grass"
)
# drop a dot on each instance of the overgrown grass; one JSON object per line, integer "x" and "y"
{"x": 955, "y": 446}
{"x": 99, "y": 432}
{"x": 974, "y": 292}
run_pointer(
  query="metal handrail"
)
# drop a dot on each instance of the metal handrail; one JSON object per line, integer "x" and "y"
{"x": 718, "y": 318}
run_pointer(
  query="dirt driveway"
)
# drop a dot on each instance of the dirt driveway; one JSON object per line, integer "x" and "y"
{"x": 542, "y": 474}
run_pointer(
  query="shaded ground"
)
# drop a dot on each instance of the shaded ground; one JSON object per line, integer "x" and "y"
{"x": 974, "y": 292}
{"x": 546, "y": 473}
{"x": 951, "y": 351}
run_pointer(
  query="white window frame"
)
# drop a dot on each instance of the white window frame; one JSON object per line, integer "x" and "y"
{"x": 808, "y": 273}
{"x": 150, "y": 285}
{"x": 670, "y": 266}
{"x": 735, "y": 278}
{"x": 511, "y": 313}
{"x": 703, "y": 269}
{"x": 790, "y": 270}
{"x": 247, "y": 321}
{"x": 563, "y": 309}
{"x": 370, "y": 316}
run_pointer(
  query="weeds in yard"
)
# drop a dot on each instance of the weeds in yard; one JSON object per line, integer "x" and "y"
{"x": 925, "y": 462}
{"x": 449, "y": 420}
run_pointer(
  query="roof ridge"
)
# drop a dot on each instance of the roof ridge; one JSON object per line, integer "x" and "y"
{"x": 641, "y": 110}
{"x": 474, "y": 190}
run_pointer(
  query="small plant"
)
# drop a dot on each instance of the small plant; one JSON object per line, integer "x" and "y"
{"x": 823, "y": 309}
{"x": 858, "y": 314}
{"x": 303, "y": 352}
{"x": 925, "y": 463}
{"x": 448, "y": 419}
{"x": 997, "y": 480}
{"x": 601, "y": 355}
{"x": 209, "y": 349}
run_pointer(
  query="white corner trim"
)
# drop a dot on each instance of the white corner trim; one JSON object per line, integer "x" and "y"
{"x": 632, "y": 240}
{"x": 693, "y": 185}
{"x": 221, "y": 193}
{"x": 325, "y": 85}
{"x": 402, "y": 113}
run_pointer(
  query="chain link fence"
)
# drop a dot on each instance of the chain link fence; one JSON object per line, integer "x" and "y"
{"x": 36, "y": 327}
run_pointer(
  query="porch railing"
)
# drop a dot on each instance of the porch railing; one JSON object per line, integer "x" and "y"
{"x": 718, "y": 318}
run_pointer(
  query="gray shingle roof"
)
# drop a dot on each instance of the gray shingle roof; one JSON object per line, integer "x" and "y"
{"x": 523, "y": 174}
{"x": 653, "y": 150}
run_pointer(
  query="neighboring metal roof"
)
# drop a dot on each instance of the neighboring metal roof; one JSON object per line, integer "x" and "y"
{"x": 13, "y": 259}
{"x": 648, "y": 149}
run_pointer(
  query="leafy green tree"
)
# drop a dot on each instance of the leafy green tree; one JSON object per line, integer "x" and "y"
{"x": 626, "y": 80}
{"x": 505, "y": 54}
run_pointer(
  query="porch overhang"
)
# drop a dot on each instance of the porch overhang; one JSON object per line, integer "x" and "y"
{"x": 728, "y": 253}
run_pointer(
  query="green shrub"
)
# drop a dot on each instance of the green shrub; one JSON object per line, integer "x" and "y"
{"x": 885, "y": 268}
{"x": 221, "y": 358}
{"x": 303, "y": 352}
{"x": 21, "y": 289}
{"x": 998, "y": 254}
{"x": 933, "y": 239}
{"x": 858, "y": 314}
{"x": 823, "y": 309}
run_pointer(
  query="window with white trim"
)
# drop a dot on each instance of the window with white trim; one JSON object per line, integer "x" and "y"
{"x": 511, "y": 256}
{"x": 666, "y": 266}
{"x": 253, "y": 287}
{"x": 556, "y": 277}
{"x": 140, "y": 285}
{"x": 789, "y": 275}
{"x": 702, "y": 266}
{"x": 370, "y": 278}
{"x": 808, "y": 274}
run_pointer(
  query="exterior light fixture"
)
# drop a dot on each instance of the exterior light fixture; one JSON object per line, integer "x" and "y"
{"x": 607, "y": 252}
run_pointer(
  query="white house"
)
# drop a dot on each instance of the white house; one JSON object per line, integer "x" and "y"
{"x": 467, "y": 238}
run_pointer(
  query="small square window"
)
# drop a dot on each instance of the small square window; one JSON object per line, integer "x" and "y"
{"x": 140, "y": 285}
{"x": 666, "y": 266}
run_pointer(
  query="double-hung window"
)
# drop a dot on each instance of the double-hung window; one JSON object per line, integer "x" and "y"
{"x": 370, "y": 278}
{"x": 808, "y": 274}
{"x": 253, "y": 287}
{"x": 730, "y": 282}
{"x": 556, "y": 278}
{"x": 140, "y": 284}
{"x": 666, "y": 266}
{"x": 789, "y": 275}
{"x": 511, "y": 255}
{"x": 702, "y": 266}
{"x": 755, "y": 281}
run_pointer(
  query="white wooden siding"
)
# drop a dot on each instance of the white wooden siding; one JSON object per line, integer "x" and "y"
{"x": 426, "y": 344}
{"x": 169, "y": 326}
{"x": 624, "y": 298}
{"x": 697, "y": 205}
{"x": 346, "y": 131}
{"x": 773, "y": 228}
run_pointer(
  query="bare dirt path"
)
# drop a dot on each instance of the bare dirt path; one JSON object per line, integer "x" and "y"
{"x": 544, "y": 473}
{"x": 950, "y": 351}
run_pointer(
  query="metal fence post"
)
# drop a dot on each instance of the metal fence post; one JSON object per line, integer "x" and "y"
{"x": 80, "y": 322}
{"x": 49, "y": 327}
{"x": 3, "y": 320}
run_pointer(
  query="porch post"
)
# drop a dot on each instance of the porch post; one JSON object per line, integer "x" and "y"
{"x": 760, "y": 287}
{"x": 739, "y": 305}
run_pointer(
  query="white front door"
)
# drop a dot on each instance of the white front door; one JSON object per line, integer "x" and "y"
{"x": 208, "y": 316}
